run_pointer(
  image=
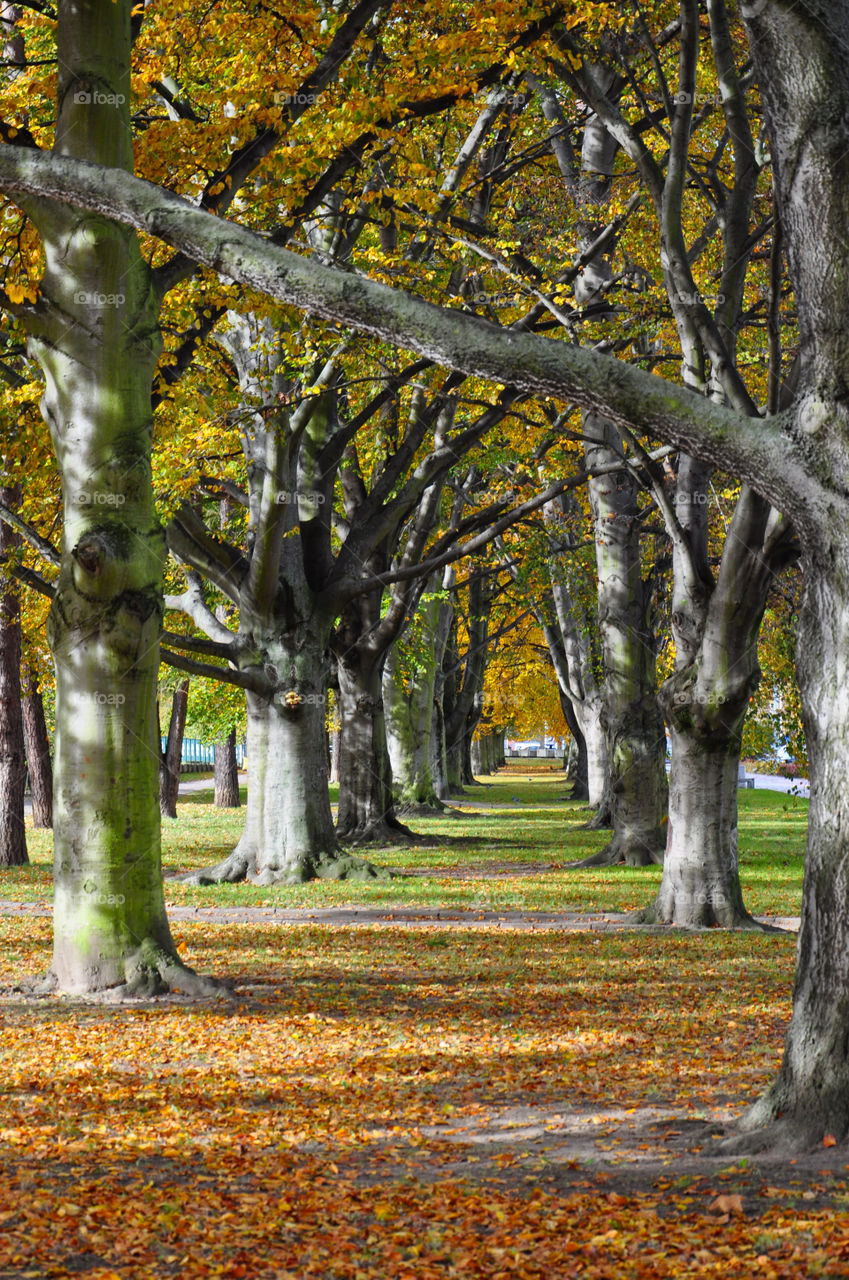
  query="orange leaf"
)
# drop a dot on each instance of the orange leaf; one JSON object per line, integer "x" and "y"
{"x": 727, "y": 1204}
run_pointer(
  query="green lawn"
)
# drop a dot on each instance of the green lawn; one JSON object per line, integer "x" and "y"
{"x": 535, "y": 826}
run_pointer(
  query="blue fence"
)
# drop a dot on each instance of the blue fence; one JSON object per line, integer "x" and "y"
{"x": 199, "y": 756}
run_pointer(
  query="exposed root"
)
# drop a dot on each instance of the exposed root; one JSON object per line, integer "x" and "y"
{"x": 235, "y": 868}
{"x": 709, "y": 908}
{"x": 578, "y": 792}
{"x": 149, "y": 972}
{"x": 329, "y": 865}
{"x": 357, "y": 870}
{"x": 621, "y": 851}
{"x": 782, "y": 1124}
{"x": 426, "y": 809}
{"x": 380, "y": 831}
{"x": 784, "y": 1136}
{"x": 703, "y": 919}
{"x": 601, "y": 819}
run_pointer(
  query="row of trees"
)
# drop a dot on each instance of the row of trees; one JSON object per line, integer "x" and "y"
{"x": 639, "y": 188}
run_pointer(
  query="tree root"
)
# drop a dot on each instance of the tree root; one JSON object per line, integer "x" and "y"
{"x": 149, "y": 972}
{"x": 780, "y": 1129}
{"x": 330, "y": 865}
{"x": 601, "y": 819}
{"x": 380, "y": 831}
{"x": 578, "y": 793}
{"x": 345, "y": 867}
{"x": 705, "y": 910}
{"x": 619, "y": 851}
{"x": 234, "y": 868}
{"x": 433, "y": 808}
{"x": 733, "y": 919}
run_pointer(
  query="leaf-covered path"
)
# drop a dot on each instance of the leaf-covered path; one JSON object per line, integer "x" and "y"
{"x": 386, "y": 1101}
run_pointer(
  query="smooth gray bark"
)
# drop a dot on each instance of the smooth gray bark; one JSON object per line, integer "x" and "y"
{"x": 95, "y": 336}
{"x": 172, "y": 756}
{"x": 226, "y": 773}
{"x": 37, "y": 743}
{"x": 13, "y": 769}
{"x": 462, "y": 697}
{"x": 366, "y": 811}
{"x": 633, "y": 725}
{"x": 409, "y": 680}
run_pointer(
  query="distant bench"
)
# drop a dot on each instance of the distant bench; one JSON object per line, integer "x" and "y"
{"x": 744, "y": 779}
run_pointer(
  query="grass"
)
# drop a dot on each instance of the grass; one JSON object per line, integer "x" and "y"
{"x": 531, "y": 824}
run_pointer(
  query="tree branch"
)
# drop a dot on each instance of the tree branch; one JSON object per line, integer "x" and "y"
{"x": 759, "y": 450}
{"x": 35, "y": 540}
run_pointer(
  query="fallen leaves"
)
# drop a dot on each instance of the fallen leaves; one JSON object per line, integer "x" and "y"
{"x": 286, "y": 1136}
{"x": 723, "y": 1207}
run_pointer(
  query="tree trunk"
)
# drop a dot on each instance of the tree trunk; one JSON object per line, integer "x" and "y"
{"x": 366, "y": 806}
{"x": 568, "y": 639}
{"x": 575, "y": 761}
{"x": 590, "y": 717}
{"x": 809, "y": 1099}
{"x": 39, "y": 764}
{"x": 463, "y": 689}
{"x": 335, "y": 741}
{"x": 636, "y": 742}
{"x": 288, "y": 836}
{"x": 95, "y": 335}
{"x": 469, "y": 779}
{"x": 477, "y": 751}
{"x": 408, "y": 694}
{"x": 705, "y": 703}
{"x": 172, "y": 756}
{"x": 13, "y": 770}
{"x": 226, "y": 773}
{"x": 701, "y": 880}
{"x": 438, "y": 750}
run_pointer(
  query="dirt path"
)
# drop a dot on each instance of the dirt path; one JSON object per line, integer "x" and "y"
{"x": 407, "y": 917}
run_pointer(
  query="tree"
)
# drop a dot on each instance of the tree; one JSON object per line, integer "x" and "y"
{"x": 13, "y": 840}
{"x": 633, "y": 726}
{"x": 171, "y": 758}
{"x": 409, "y": 687}
{"x": 39, "y": 763}
{"x": 715, "y": 621}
